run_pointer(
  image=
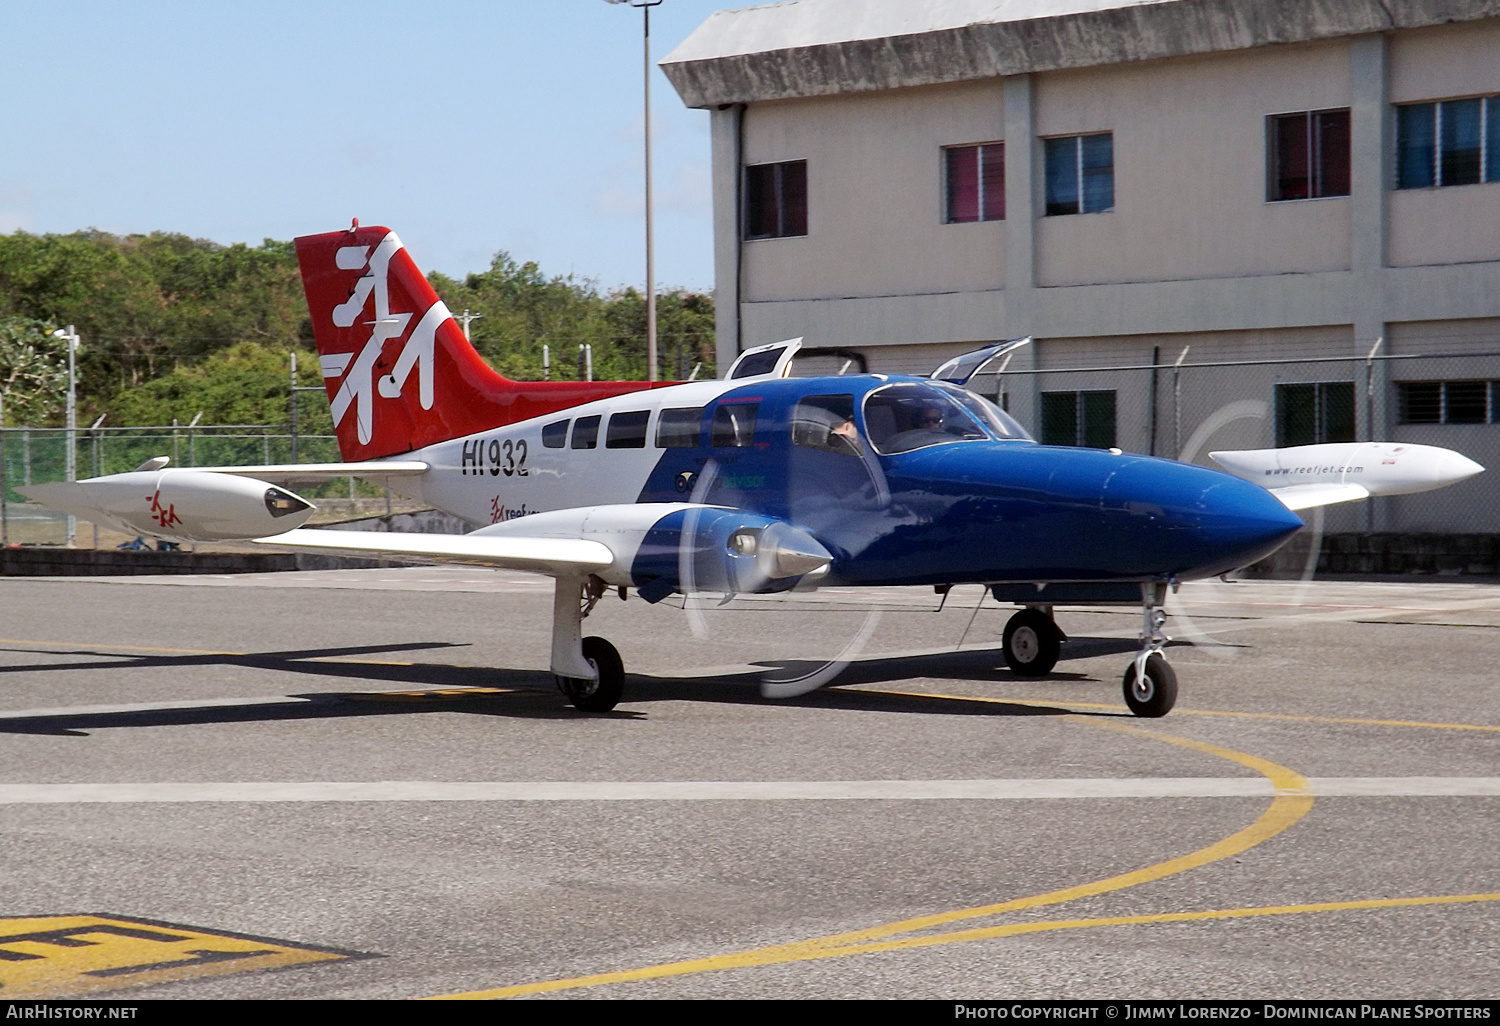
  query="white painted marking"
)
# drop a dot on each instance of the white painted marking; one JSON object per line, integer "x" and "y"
{"x": 731, "y": 790}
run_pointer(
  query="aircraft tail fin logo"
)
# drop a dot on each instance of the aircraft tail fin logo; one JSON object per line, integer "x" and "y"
{"x": 399, "y": 373}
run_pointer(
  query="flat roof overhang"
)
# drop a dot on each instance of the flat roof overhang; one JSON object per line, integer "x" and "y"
{"x": 805, "y": 48}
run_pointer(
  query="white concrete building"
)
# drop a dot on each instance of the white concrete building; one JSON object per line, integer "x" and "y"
{"x": 1253, "y": 179}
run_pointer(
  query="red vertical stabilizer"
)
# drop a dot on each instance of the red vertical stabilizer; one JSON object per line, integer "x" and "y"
{"x": 399, "y": 372}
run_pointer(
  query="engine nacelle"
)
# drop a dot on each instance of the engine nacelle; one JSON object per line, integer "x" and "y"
{"x": 178, "y": 505}
{"x": 661, "y": 548}
{"x": 727, "y": 551}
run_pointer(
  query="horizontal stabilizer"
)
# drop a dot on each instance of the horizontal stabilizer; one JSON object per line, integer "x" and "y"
{"x": 1306, "y": 496}
{"x": 555, "y": 557}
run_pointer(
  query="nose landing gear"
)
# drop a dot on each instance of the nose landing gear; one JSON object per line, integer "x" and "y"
{"x": 1150, "y": 685}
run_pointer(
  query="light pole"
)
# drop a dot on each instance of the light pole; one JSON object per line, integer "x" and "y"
{"x": 645, "y": 6}
{"x": 71, "y": 462}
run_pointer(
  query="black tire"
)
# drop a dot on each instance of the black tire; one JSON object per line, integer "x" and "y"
{"x": 601, "y": 695}
{"x": 1158, "y": 693}
{"x": 1031, "y": 643}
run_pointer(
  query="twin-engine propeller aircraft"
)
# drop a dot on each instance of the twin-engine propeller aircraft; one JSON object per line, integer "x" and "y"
{"x": 755, "y": 483}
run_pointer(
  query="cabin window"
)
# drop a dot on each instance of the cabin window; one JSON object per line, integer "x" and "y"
{"x": 734, "y": 425}
{"x": 627, "y": 430}
{"x": 679, "y": 428}
{"x": 585, "y": 432}
{"x": 555, "y": 435}
{"x": 826, "y": 422}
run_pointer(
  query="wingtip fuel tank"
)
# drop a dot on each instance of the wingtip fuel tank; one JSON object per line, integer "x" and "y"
{"x": 178, "y": 505}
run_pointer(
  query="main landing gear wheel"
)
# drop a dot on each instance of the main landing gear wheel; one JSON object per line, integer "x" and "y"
{"x": 1031, "y": 643}
{"x": 1155, "y": 693}
{"x": 596, "y": 695}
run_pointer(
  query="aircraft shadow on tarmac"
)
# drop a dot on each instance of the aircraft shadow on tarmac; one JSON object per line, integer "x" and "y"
{"x": 529, "y": 694}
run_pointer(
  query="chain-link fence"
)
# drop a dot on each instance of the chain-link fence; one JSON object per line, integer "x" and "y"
{"x": 1173, "y": 408}
{"x": 39, "y": 455}
{"x": 1187, "y": 410}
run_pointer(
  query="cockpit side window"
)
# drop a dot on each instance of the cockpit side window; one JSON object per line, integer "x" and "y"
{"x": 907, "y": 416}
{"x": 826, "y": 422}
{"x": 1000, "y": 423}
{"x": 734, "y": 425}
{"x": 679, "y": 428}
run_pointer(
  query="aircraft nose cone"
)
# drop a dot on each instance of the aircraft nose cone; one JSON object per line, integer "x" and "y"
{"x": 1241, "y": 523}
{"x": 1198, "y": 521}
{"x": 1457, "y": 467}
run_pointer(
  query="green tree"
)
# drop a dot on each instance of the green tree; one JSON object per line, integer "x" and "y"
{"x": 33, "y": 371}
{"x": 170, "y": 315}
{"x": 522, "y": 309}
{"x": 244, "y": 384}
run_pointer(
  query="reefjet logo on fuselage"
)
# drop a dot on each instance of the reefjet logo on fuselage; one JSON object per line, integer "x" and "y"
{"x": 357, "y": 369}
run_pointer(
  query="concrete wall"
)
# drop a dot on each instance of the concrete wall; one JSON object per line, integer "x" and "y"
{"x": 875, "y": 195}
{"x": 1192, "y": 255}
{"x": 1450, "y": 224}
{"x": 1190, "y": 157}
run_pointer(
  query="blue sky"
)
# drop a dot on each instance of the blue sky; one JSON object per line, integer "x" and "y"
{"x": 467, "y": 126}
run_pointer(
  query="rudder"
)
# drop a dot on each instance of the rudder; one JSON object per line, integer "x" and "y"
{"x": 399, "y": 373}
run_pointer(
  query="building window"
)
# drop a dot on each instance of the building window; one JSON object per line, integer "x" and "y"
{"x": 1307, "y": 155}
{"x": 776, "y": 200}
{"x": 1456, "y": 142}
{"x": 1080, "y": 174}
{"x": 1449, "y": 402}
{"x": 1314, "y": 412}
{"x": 1079, "y": 418}
{"x": 974, "y": 183}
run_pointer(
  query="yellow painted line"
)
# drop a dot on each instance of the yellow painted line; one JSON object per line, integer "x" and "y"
{"x": 68, "y": 956}
{"x": 1068, "y": 704}
{"x": 749, "y": 959}
{"x": 1016, "y": 929}
{"x": 1293, "y": 801}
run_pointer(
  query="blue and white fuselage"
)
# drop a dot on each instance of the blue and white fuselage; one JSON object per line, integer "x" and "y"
{"x": 972, "y": 499}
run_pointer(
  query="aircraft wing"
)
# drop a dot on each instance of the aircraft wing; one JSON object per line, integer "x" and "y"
{"x": 1306, "y": 496}
{"x": 555, "y": 557}
{"x": 293, "y": 475}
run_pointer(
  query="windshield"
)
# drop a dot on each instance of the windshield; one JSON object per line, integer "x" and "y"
{"x": 907, "y": 416}
{"x": 1002, "y": 424}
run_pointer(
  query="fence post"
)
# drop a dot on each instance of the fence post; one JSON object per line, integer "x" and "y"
{"x": 294, "y": 406}
{"x": 1155, "y": 359}
{"x": 1177, "y": 403}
